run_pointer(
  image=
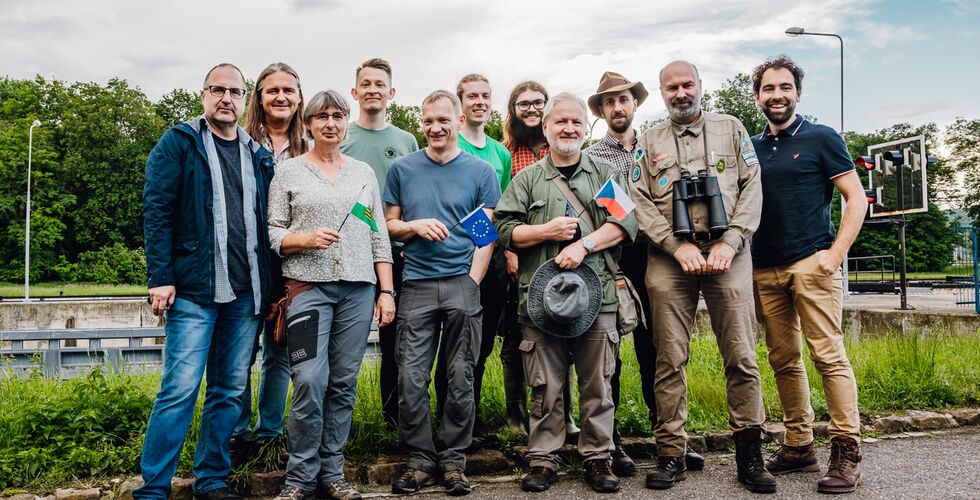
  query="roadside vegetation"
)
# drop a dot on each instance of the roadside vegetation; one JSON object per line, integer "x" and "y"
{"x": 57, "y": 432}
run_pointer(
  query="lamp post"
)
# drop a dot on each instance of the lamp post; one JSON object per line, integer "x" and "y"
{"x": 795, "y": 31}
{"x": 27, "y": 228}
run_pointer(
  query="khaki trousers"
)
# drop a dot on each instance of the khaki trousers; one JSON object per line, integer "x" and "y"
{"x": 546, "y": 360}
{"x": 802, "y": 294}
{"x": 674, "y": 301}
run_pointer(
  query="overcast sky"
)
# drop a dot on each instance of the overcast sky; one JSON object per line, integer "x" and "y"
{"x": 908, "y": 60}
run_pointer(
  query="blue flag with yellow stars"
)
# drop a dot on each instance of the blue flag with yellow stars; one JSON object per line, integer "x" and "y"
{"x": 479, "y": 228}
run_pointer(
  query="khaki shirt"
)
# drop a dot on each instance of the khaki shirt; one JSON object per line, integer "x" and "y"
{"x": 729, "y": 156}
{"x": 532, "y": 198}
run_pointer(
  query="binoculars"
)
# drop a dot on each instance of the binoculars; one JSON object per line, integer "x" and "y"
{"x": 700, "y": 188}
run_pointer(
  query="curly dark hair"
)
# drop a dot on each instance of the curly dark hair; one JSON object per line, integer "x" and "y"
{"x": 781, "y": 61}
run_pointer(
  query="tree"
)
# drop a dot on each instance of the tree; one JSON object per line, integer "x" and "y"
{"x": 963, "y": 140}
{"x": 735, "y": 98}
{"x": 409, "y": 119}
{"x": 178, "y": 105}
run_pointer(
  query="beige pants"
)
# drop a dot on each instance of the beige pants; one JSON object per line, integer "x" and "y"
{"x": 674, "y": 301}
{"x": 546, "y": 360}
{"x": 802, "y": 294}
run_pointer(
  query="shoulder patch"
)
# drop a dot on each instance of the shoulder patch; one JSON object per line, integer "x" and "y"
{"x": 638, "y": 154}
{"x": 635, "y": 174}
{"x": 748, "y": 152}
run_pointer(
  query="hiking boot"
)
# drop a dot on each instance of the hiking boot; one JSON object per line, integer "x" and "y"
{"x": 239, "y": 450}
{"x": 599, "y": 475}
{"x": 843, "y": 474}
{"x": 693, "y": 460}
{"x": 412, "y": 480}
{"x": 622, "y": 464}
{"x": 669, "y": 470}
{"x": 793, "y": 459}
{"x": 748, "y": 458}
{"x": 341, "y": 490}
{"x": 538, "y": 479}
{"x": 293, "y": 493}
{"x": 456, "y": 483}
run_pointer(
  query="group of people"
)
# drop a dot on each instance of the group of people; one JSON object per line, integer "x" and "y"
{"x": 272, "y": 233}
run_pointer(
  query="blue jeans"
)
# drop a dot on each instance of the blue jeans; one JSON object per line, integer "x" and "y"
{"x": 213, "y": 339}
{"x": 273, "y": 388}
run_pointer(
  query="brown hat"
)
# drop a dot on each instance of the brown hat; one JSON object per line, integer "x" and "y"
{"x": 614, "y": 82}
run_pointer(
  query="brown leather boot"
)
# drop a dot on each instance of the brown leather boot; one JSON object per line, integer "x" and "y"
{"x": 793, "y": 459}
{"x": 843, "y": 474}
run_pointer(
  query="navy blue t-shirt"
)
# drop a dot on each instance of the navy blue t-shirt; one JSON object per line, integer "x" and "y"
{"x": 425, "y": 189}
{"x": 230, "y": 158}
{"x": 798, "y": 166}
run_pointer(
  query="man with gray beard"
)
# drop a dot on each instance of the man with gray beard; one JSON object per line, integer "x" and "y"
{"x": 700, "y": 253}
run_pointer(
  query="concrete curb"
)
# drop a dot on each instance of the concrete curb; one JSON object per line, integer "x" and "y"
{"x": 912, "y": 423}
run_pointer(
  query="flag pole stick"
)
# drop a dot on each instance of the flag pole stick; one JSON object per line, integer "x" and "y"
{"x": 351, "y": 208}
{"x": 461, "y": 220}
{"x": 591, "y": 200}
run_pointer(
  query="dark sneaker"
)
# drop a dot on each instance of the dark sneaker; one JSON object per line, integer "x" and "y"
{"x": 622, "y": 464}
{"x": 669, "y": 471}
{"x": 239, "y": 450}
{"x": 792, "y": 459}
{"x": 599, "y": 475}
{"x": 219, "y": 494}
{"x": 412, "y": 480}
{"x": 538, "y": 479}
{"x": 456, "y": 483}
{"x": 748, "y": 458}
{"x": 341, "y": 490}
{"x": 293, "y": 493}
{"x": 843, "y": 474}
{"x": 693, "y": 460}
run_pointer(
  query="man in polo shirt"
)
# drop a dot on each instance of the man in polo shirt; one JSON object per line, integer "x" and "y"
{"x": 426, "y": 194}
{"x": 473, "y": 91}
{"x": 797, "y": 274}
{"x": 378, "y": 143}
{"x": 615, "y": 101}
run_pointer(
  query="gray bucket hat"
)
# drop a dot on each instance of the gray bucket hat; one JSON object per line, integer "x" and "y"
{"x": 564, "y": 303}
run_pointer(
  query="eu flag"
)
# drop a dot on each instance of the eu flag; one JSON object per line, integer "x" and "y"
{"x": 479, "y": 228}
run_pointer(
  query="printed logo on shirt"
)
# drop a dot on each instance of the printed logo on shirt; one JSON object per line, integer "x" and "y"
{"x": 796, "y": 155}
{"x": 390, "y": 152}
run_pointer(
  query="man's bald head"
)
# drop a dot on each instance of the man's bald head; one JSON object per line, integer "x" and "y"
{"x": 680, "y": 87}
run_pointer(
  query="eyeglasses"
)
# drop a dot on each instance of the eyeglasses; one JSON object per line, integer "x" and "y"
{"x": 526, "y": 105}
{"x": 337, "y": 117}
{"x": 219, "y": 91}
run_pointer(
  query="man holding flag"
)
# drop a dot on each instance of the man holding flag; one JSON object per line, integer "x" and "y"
{"x": 438, "y": 202}
{"x": 537, "y": 220}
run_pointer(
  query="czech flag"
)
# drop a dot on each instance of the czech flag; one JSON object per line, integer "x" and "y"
{"x": 615, "y": 200}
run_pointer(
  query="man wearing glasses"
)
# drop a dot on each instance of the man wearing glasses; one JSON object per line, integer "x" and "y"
{"x": 523, "y": 134}
{"x": 207, "y": 257}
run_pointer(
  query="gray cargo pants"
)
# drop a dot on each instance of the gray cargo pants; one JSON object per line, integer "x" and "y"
{"x": 452, "y": 306}
{"x": 328, "y": 328}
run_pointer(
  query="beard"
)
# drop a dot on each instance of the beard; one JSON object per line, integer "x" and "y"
{"x": 567, "y": 147}
{"x": 684, "y": 114}
{"x": 779, "y": 117}
{"x": 524, "y": 135}
{"x": 619, "y": 129}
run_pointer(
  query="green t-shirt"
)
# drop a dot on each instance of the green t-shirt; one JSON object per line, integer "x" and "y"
{"x": 378, "y": 148}
{"x": 494, "y": 153}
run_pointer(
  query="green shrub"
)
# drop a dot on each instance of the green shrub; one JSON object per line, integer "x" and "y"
{"x": 113, "y": 265}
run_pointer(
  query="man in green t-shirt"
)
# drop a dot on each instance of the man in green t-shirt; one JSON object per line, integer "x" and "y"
{"x": 378, "y": 143}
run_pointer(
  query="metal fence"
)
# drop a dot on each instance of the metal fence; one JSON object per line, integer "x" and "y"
{"x": 963, "y": 273}
{"x": 872, "y": 274}
{"x": 70, "y": 352}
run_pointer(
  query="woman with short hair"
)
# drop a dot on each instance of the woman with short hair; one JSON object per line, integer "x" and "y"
{"x": 321, "y": 220}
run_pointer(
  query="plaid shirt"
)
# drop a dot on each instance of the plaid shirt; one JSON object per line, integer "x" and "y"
{"x": 523, "y": 156}
{"x": 611, "y": 150}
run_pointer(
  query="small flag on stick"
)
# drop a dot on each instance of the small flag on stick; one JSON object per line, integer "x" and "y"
{"x": 362, "y": 209}
{"x": 479, "y": 227}
{"x": 615, "y": 200}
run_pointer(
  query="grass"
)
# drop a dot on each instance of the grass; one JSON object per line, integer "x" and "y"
{"x": 69, "y": 289}
{"x": 86, "y": 429}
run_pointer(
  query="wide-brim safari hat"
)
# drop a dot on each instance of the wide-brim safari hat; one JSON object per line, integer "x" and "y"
{"x": 615, "y": 82}
{"x": 564, "y": 303}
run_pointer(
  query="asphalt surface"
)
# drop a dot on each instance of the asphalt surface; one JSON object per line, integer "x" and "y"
{"x": 942, "y": 465}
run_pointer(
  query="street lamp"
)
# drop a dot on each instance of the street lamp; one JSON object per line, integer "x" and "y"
{"x": 27, "y": 229}
{"x": 795, "y": 31}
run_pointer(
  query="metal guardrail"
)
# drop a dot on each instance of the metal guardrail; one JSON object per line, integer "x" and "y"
{"x": 63, "y": 360}
{"x": 872, "y": 274}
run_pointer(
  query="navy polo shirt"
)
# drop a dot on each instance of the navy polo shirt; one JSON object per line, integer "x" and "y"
{"x": 798, "y": 166}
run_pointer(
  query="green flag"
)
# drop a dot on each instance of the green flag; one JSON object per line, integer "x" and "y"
{"x": 362, "y": 209}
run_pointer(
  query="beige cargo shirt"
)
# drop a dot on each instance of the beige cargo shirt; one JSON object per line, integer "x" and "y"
{"x": 715, "y": 142}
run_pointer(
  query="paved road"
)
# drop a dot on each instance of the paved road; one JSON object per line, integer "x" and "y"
{"x": 943, "y": 465}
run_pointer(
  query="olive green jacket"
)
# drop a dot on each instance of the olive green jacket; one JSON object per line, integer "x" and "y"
{"x": 532, "y": 198}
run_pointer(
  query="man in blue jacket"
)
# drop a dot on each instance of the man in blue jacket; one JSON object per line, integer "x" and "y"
{"x": 207, "y": 257}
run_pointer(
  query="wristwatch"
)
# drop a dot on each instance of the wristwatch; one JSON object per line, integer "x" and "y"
{"x": 588, "y": 244}
{"x": 389, "y": 292}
